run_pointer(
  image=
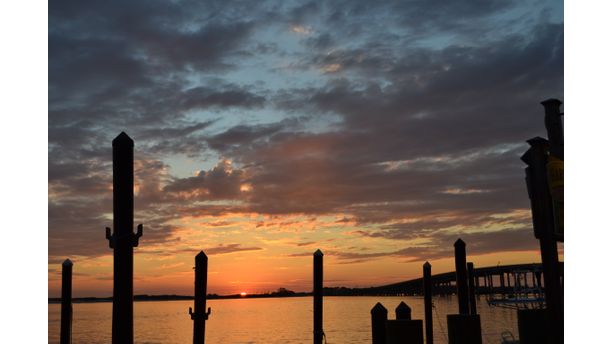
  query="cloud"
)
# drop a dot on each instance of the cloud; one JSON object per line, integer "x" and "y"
{"x": 229, "y": 248}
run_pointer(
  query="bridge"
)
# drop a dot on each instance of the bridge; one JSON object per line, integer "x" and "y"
{"x": 499, "y": 279}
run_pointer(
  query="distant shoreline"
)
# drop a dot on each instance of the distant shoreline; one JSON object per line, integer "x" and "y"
{"x": 144, "y": 298}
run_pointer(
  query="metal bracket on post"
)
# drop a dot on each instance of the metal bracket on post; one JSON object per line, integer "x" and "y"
{"x": 110, "y": 238}
{"x": 199, "y": 315}
{"x": 137, "y": 235}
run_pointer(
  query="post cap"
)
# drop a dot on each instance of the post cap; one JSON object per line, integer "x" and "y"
{"x": 123, "y": 140}
{"x": 201, "y": 255}
{"x": 551, "y": 102}
{"x": 67, "y": 262}
{"x": 318, "y": 253}
{"x": 427, "y": 265}
{"x": 402, "y": 306}
{"x": 538, "y": 141}
{"x": 378, "y": 309}
{"x": 459, "y": 242}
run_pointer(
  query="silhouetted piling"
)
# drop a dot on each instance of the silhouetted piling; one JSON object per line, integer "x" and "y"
{"x": 536, "y": 158}
{"x": 123, "y": 240}
{"x": 472, "y": 290}
{"x": 461, "y": 273}
{"x": 427, "y": 302}
{"x": 318, "y": 296}
{"x": 379, "y": 318}
{"x": 403, "y": 312}
{"x": 199, "y": 317}
{"x": 66, "y": 320}
{"x": 404, "y": 330}
{"x": 464, "y": 329}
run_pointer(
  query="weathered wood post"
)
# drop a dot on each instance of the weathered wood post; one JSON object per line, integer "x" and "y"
{"x": 318, "y": 296}
{"x": 123, "y": 240}
{"x": 543, "y": 220}
{"x": 472, "y": 292}
{"x": 403, "y": 330}
{"x": 403, "y": 312}
{"x": 379, "y": 319}
{"x": 463, "y": 328}
{"x": 199, "y": 317}
{"x": 461, "y": 273}
{"x": 427, "y": 302}
{"x": 66, "y": 320}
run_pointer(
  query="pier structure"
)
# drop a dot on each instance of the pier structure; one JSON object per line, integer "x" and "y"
{"x": 123, "y": 240}
{"x": 199, "y": 316}
{"x": 66, "y": 315}
{"x": 317, "y": 293}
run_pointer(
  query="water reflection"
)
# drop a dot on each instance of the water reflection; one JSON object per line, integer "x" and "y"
{"x": 271, "y": 320}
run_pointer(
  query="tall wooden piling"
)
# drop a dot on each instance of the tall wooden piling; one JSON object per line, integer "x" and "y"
{"x": 379, "y": 319}
{"x": 66, "y": 320}
{"x": 123, "y": 240}
{"x": 472, "y": 290}
{"x": 536, "y": 158}
{"x": 317, "y": 297}
{"x": 199, "y": 316}
{"x": 428, "y": 303}
{"x": 461, "y": 273}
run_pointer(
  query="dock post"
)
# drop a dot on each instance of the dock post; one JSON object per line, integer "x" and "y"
{"x": 536, "y": 158}
{"x": 403, "y": 330}
{"x": 199, "y": 316}
{"x": 472, "y": 290}
{"x": 460, "y": 270}
{"x": 66, "y": 320}
{"x": 379, "y": 319}
{"x": 318, "y": 296}
{"x": 427, "y": 302}
{"x": 123, "y": 240}
{"x": 403, "y": 312}
{"x": 463, "y": 328}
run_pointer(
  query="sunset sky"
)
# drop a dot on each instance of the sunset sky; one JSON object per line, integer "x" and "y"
{"x": 266, "y": 130}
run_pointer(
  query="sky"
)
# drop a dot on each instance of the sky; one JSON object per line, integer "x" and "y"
{"x": 378, "y": 132}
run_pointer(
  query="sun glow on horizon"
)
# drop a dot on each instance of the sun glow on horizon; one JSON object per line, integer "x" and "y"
{"x": 243, "y": 294}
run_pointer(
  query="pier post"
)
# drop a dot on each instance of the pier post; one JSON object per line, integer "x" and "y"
{"x": 472, "y": 290}
{"x": 404, "y": 330}
{"x": 379, "y": 319}
{"x": 66, "y": 320}
{"x": 460, "y": 270}
{"x": 318, "y": 296}
{"x": 199, "y": 316}
{"x": 428, "y": 303}
{"x": 403, "y": 312}
{"x": 123, "y": 240}
{"x": 543, "y": 219}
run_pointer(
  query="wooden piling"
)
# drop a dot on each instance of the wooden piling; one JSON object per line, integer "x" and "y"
{"x": 543, "y": 219}
{"x": 461, "y": 273}
{"x": 379, "y": 319}
{"x": 464, "y": 329}
{"x": 199, "y": 316}
{"x": 428, "y": 303}
{"x": 403, "y": 312}
{"x": 472, "y": 290}
{"x": 123, "y": 240}
{"x": 318, "y": 297}
{"x": 66, "y": 317}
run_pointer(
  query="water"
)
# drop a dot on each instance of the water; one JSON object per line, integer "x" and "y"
{"x": 269, "y": 320}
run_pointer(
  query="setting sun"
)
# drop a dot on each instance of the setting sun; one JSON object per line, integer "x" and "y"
{"x": 243, "y": 294}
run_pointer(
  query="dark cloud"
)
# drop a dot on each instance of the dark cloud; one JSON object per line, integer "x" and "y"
{"x": 409, "y": 118}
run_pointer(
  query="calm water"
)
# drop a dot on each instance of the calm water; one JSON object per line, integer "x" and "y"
{"x": 271, "y": 320}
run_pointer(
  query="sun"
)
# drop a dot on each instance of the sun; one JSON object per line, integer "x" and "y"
{"x": 243, "y": 294}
